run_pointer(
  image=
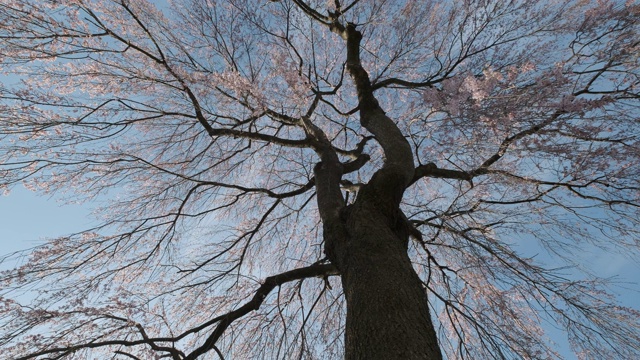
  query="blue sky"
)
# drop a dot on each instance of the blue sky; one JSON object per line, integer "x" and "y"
{"x": 26, "y": 219}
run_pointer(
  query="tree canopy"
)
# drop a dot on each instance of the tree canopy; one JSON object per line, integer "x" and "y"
{"x": 230, "y": 147}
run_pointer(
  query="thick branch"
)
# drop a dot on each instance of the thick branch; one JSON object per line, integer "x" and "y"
{"x": 262, "y": 137}
{"x": 431, "y": 170}
{"x": 398, "y": 156}
{"x": 404, "y": 83}
{"x": 328, "y": 171}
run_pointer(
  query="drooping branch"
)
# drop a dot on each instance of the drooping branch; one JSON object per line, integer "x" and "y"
{"x": 223, "y": 321}
{"x": 63, "y": 351}
{"x": 270, "y": 283}
{"x": 313, "y": 13}
{"x": 432, "y": 171}
{"x": 507, "y": 142}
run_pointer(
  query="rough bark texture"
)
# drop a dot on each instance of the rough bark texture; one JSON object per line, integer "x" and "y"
{"x": 387, "y": 308}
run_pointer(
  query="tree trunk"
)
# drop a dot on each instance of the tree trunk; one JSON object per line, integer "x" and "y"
{"x": 387, "y": 310}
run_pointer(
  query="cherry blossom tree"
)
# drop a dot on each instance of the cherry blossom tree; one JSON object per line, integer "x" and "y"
{"x": 306, "y": 179}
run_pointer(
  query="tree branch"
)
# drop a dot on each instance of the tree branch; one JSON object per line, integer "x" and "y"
{"x": 269, "y": 284}
{"x": 404, "y": 83}
{"x": 431, "y": 170}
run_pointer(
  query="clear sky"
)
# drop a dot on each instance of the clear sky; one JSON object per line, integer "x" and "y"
{"x": 26, "y": 219}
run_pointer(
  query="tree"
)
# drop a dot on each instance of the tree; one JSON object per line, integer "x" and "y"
{"x": 315, "y": 179}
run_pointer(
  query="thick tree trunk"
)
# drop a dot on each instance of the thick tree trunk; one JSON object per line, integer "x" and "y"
{"x": 387, "y": 310}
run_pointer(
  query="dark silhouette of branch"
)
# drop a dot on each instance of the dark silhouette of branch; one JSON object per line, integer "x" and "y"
{"x": 316, "y": 270}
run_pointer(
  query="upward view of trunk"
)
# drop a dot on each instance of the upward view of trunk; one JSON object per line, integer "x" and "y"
{"x": 387, "y": 311}
{"x": 319, "y": 179}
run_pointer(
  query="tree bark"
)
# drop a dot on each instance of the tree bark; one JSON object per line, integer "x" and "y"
{"x": 387, "y": 309}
